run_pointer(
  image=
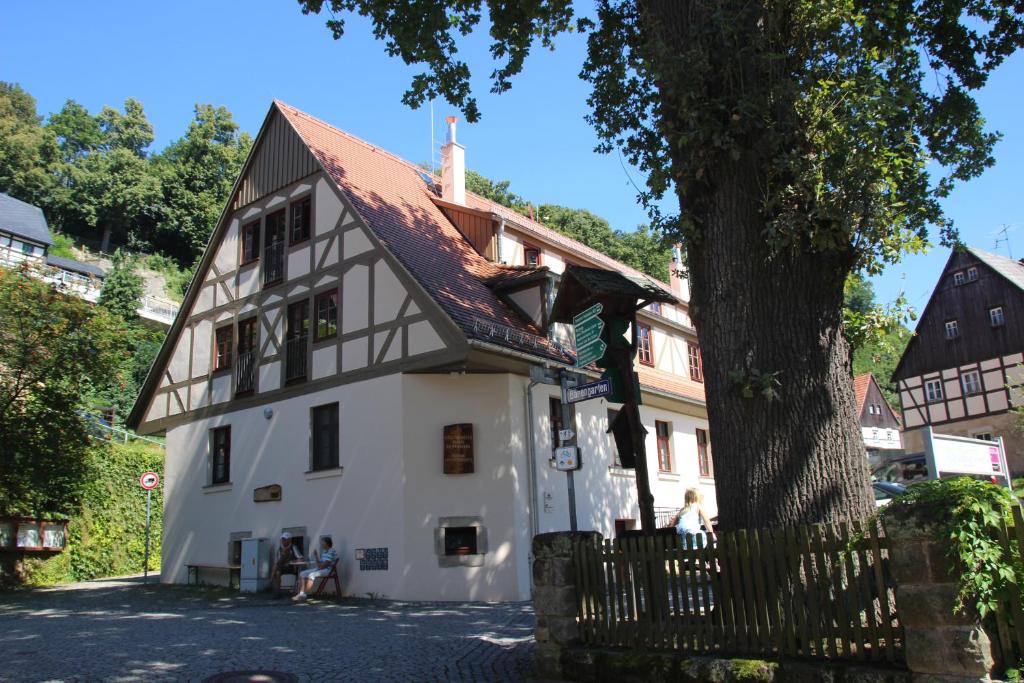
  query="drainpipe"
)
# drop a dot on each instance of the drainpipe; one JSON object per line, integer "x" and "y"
{"x": 531, "y": 474}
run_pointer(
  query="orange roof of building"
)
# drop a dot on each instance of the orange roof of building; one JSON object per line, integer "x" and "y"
{"x": 860, "y": 389}
{"x": 394, "y": 198}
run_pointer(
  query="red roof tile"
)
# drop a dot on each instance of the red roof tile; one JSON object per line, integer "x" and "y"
{"x": 860, "y": 389}
{"x": 396, "y": 202}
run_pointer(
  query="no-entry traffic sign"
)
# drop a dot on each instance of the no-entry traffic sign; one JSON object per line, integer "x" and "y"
{"x": 149, "y": 480}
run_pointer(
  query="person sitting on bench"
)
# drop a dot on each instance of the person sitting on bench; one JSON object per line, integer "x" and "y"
{"x": 287, "y": 553}
{"x": 324, "y": 566}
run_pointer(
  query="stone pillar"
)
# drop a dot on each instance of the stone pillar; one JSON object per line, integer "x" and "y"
{"x": 555, "y": 601}
{"x": 940, "y": 646}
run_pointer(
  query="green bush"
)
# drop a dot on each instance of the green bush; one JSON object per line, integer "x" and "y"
{"x": 107, "y": 538}
{"x": 175, "y": 277}
{"x": 62, "y": 246}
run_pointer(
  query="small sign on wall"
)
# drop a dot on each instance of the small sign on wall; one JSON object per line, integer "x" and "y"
{"x": 458, "y": 449}
{"x": 267, "y": 494}
{"x": 372, "y": 559}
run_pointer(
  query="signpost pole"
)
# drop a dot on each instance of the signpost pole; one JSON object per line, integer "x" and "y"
{"x": 149, "y": 503}
{"x": 569, "y": 423}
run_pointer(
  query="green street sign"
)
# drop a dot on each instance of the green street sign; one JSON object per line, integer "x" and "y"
{"x": 589, "y": 326}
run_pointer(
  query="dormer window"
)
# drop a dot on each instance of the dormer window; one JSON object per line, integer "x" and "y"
{"x": 958, "y": 278}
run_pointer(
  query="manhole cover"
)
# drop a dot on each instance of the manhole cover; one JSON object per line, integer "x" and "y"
{"x": 253, "y": 677}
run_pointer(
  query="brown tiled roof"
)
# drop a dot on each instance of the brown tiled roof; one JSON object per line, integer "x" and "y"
{"x": 393, "y": 197}
{"x": 860, "y": 389}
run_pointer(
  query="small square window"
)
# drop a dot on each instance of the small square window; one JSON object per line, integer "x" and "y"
{"x": 952, "y": 329}
{"x": 958, "y": 278}
{"x": 933, "y": 390}
{"x": 995, "y": 316}
{"x": 972, "y": 274}
{"x": 972, "y": 382}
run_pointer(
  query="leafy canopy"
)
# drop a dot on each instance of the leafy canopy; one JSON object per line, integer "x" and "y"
{"x": 54, "y": 346}
{"x": 844, "y": 104}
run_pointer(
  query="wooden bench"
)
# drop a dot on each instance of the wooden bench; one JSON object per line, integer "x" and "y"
{"x": 233, "y": 570}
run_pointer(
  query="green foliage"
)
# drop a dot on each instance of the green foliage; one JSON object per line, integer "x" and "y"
{"x": 77, "y": 131}
{"x": 107, "y": 536}
{"x": 53, "y": 346}
{"x": 967, "y": 515}
{"x": 877, "y": 334}
{"x": 176, "y": 278}
{"x": 197, "y": 173}
{"x": 880, "y": 356}
{"x": 26, "y": 148}
{"x": 122, "y": 288}
{"x": 495, "y": 190}
{"x": 62, "y": 246}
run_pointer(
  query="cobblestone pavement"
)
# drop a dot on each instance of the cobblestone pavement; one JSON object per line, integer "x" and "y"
{"x": 125, "y": 631}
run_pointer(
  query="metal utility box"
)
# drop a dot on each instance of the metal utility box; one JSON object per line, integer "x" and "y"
{"x": 255, "y": 570}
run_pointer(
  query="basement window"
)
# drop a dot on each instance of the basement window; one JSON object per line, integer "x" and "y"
{"x": 460, "y": 542}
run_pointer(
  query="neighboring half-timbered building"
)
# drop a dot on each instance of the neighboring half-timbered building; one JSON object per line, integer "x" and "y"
{"x": 879, "y": 423}
{"x": 353, "y": 359}
{"x": 962, "y": 370}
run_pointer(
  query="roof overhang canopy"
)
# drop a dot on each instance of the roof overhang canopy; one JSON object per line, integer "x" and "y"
{"x": 582, "y": 287}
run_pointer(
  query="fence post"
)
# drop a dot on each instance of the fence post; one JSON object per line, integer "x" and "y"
{"x": 938, "y": 644}
{"x": 555, "y": 598}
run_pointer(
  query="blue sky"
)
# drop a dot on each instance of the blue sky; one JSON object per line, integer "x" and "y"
{"x": 242, "y": 55}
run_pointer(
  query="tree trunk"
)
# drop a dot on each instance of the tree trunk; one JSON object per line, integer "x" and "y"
{"x": 797, "y": 457}
{"x": 105, "y": 240}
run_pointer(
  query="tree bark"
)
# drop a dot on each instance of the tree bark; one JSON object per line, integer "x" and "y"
{"x": 797, "y": 458}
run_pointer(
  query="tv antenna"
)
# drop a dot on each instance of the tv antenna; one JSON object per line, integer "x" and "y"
{"x": 1004, "y": 239}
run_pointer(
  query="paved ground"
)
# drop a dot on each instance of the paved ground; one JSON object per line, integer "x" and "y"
{"x": 123, "y": 630}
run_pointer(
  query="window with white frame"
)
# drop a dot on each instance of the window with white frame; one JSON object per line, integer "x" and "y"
{"x": 985, "y": 436}
{"x": 995, "y": 316}
{"x": 958, "y": 278}
{"x": 972, "y": 382}
{"x": 933, "y": 390}
{"x": 972, "y": 274}
{"x": 952, "y": 329}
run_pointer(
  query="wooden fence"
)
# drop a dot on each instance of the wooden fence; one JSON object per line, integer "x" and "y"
{"x": 1010, "y": 615}
{"x": 814, "y": 592}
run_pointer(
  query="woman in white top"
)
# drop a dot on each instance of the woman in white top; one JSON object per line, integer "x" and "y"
{"x": 690, "y": 517}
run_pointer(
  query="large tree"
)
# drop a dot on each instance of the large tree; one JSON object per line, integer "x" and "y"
{"x": 27, "y": 149}
{"x": 197, "y": 172}
{"x": 53, "y": 346}
{"x": 796, "y": 137}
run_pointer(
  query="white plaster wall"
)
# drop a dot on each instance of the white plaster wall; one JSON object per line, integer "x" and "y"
{"x": 361, "y": 508}
{"x": 496, "y": 491}
{"x": 605, "y": 493}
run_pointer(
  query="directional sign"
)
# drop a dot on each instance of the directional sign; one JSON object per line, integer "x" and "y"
{"x": 589, "y": 346}
{"x": 585, "y": 392}
{"x": 149, "y": 480}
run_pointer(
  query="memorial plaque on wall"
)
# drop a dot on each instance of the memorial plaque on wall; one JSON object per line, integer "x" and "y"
{"x": 267, "y": 494}
{"x": 458, "y": 449}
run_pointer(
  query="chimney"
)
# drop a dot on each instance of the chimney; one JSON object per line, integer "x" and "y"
{"x": 453, "y": 168}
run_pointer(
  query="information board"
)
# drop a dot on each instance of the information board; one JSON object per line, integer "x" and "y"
{"x": 458, "y": 449}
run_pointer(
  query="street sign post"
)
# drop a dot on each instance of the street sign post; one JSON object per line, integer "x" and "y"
{"x": 588, "y": 326}
{"x": 585, "y": 392}
{"x": 148, "y": 481}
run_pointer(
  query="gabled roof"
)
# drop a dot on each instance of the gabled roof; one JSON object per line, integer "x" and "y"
{"x": 861, "y": 384}
{"x": 393, "y": 197}
{"x": 1007, "y": 267}
{"x": 24, "y": 220}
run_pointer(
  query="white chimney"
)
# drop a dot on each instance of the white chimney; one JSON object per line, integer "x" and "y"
{"x": 453, "y": 168}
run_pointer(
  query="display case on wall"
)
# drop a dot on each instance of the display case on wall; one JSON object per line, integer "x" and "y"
{"x": 33, "y": 535}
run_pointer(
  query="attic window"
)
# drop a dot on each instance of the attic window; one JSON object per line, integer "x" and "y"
{"x": 952, "y": 329}
{"x": 531, "y": 256}
{"x": 958, "y": 277}
{"x": 972, "y": 274}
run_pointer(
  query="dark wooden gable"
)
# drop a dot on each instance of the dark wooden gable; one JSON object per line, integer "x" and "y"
{"x": 969, "y": 303}
{"x": 885, "y": 418}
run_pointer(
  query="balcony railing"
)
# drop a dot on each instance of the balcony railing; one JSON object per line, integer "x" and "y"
{"x": 245, "y": 372}
{"x": 273, "y": 263}
{"x": 295, "y": 358}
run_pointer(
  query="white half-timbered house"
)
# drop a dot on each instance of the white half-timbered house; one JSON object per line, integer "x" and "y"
{"x": 356, "y": 329}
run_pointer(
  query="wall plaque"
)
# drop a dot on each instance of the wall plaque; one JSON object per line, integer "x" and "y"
{"x": 267, "y": 494}
{"x": 372, "y": 559}
{"x": 458, "y": 449}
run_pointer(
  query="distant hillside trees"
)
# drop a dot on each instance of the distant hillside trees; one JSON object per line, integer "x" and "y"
{"x": 96, "y": 177}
